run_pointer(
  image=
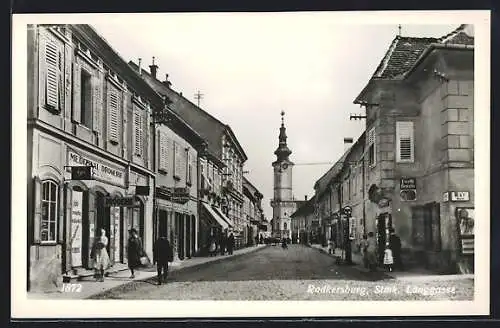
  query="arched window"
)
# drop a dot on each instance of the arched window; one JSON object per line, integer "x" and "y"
{"x": 50, "y": 199}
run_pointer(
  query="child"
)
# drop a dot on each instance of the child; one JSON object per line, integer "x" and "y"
{"x": 388, "y": 259}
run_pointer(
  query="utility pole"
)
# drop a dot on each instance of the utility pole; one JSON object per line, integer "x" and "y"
{"x": 198, "y": 96}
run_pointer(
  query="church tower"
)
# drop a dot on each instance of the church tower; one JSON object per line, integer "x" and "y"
{"x": 283, "y": 203}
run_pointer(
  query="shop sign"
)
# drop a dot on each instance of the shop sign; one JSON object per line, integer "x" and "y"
{"x": 116, "y": 231}
{"x": 459, "y": 196}
{"x": 446, "y": 196}
{"x": 101, "y": 171}
{"x": 407, "y": 183}
{"x": 120, "y": 201}
{"x": 76, "y": 229}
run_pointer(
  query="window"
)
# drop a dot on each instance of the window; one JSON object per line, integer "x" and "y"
{"x": 163, "y": 152}
{"x": 372, "y": 160}
{"x": 86, "y": 99}
{"x": 114, "y": 110}
{"x": 52, "y": 63}
{"x": 404, "y": 142}
{"x": 177, "y": 161}
{"x": 138, "y": 132}
{"x": 189, "y": 168}
{"x": 50, "y": 194}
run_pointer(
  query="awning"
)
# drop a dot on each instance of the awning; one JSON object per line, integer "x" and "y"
{"x": 229, "y": 222}
{"x": 214, "y": 215}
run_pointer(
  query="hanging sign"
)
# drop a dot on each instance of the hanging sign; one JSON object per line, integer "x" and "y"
{"x": 76, "y": 229}
{"x": 459, "y": 196}
{"x": 101, "y": 170}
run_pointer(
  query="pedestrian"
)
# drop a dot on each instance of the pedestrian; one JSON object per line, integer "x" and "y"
{"x": 100, "y": 256}
{"x": 331, "y": 246}
{"x": 256, "y": 240}
{"x": 388, "y": 259}
{"x": 363, "y": 249}
{"x": 212, "y": 245}
{"x": 222, "y": 244}
{"x": 371, "y": 252}
{"x": 162, "y": 254}
{"x": 134, "y": 251}
{"x": 230, "y": 244}
{"x": 395, "y": 246}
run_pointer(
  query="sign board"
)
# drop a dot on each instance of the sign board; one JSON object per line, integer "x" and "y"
{"x": 459, "y": 196}
{"x": 76, "y": 228}
{"x": 142, "y": 190}
{"x": 81, "y": 173}
{"x": 101, "y": 170}
{"x": 408, "y": 195}
{"x": 446, "y": 196}
{"x": 120, "y": 202}
{"x": 116, "y": 231}
{"x": 352, "y": 228}
{"x": 407, "y": 183}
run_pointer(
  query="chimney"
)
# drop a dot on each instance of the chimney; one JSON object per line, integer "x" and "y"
{"x": 167, "y": 82}
{"x": 305, "y": 198}
{"x": 347, "y": 143}
{"x": 153, "y": 68}
{"x": 140, "y": 67}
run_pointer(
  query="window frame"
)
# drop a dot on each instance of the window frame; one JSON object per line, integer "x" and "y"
{"x": 56, "y": 215}
{"x": 372, "y": 148}
{"x": 84, "y": 115}
{"x": 401, "y": 126}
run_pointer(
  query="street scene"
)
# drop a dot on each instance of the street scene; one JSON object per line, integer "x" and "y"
{"x": 303, "y": 172}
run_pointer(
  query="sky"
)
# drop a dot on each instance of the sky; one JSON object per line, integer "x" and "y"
{"x": 250, "y": 67}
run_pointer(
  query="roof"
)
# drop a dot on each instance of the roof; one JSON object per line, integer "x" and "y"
{"x": 305, "y": 207}
{"x": 251, "y": 188}
{"x": 323, "y": 182}
{"x": 201, "y": 121}
{"x": 461, "y": 35}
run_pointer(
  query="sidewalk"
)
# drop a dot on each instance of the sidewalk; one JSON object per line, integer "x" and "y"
{"x": 90, "y": 287}
{"x": 411, "y": 274}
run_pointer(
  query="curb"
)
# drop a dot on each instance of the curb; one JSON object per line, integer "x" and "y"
{"x": 177, "y": 269}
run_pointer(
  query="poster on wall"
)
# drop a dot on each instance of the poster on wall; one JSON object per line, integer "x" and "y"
{"x": 115, "y": 218}
{"x": 76, "y": 229}
{"x": 465, "y": 218}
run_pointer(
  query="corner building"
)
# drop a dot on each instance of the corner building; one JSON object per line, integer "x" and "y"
{"x": 86, "y": 107}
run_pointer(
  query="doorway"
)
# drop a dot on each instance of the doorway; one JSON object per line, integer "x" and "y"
{"x": 102, "y": 218}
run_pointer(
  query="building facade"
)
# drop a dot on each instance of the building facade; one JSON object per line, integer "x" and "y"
{"x": 221, "y": 144}
{"x": 90, "y": 137}
{"x": 252, "y": 210}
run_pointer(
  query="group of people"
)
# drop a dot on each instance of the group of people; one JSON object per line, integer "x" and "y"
{"x": 223, "y": 244}
{"x": 136, "y": 256}
{"x": 391, "y": 255}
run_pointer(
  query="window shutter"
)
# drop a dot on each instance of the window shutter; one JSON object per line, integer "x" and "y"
{"x": 163, "y": 152}
{"x": 37, "y": 205}
{"x": 188, "y": 167}
{"x": 114, "y": 103}
{"x": 53, "y": 73}
{"x": 77, "y": 117}
{"x": 96, "y": 102}
{"x": 176, "y": 159}
{"x": 138, "y": 132}
{"x": 372, "y": 142}
{"x": 404, "y": 142}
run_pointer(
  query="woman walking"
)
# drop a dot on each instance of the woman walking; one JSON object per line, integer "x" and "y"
{"x": 134, "y": 252}
{"x": 100, "y": 255}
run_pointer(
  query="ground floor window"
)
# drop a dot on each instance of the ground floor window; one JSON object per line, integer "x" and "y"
{"x": 50, "y": 199}
{"x": 426, "y": 229}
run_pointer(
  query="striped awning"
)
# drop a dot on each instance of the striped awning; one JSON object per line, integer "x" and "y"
{"x": 229, "y": 222}
{"x": 215, "y": 216}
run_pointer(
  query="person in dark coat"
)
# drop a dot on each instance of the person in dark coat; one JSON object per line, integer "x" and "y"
{"x": 134, "y": 251}
{"x": 162, "y": 254}
{"x": 230, "y": 243}
{"x": 223, "y": 244}
{"x": 395, "y": 246}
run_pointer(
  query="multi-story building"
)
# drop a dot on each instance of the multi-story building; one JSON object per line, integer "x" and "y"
{"x": 90, "y": 154}
{"x": 420, "y": 145}
{"x": 283, "y": 202}
{"x": 306, "y": 227}
{"x": 252, "y": 209}
{"x": 221, "y": 143}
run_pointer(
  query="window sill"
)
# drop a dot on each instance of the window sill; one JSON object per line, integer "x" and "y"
{"x": 52, "y": 109}
{"x": 162, "y": 171}
{"x": 177, "y": 178}
{"x": 113, "y": 142}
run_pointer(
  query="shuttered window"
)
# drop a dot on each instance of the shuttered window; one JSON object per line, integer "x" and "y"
{"x": 177, "y": 160}
{"x": 189, "y": 169}
{"x": 163, "y": 151}
{"x": 138, "y": 132}
{"x": 114, "y": 110}
{"x": 404, "y": 142}
{"x": 52, "y": 50}
{"x": 372, "y": 155}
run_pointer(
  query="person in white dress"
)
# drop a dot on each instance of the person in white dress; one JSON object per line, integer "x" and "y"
{"x": 100, "y": 255}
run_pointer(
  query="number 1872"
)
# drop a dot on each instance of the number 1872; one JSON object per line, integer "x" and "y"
{"x": 71, "y": 288}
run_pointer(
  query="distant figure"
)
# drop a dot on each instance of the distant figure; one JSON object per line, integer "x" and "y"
{"x": 162, "y": 254}
{"x": 363, "y": 249}
{"x": 331, "y": 246}
{"x": 222, "y": 244}
{"x": 261, "y": 239}
{"x": 284, "y": 243}
{"x": 134, "y": 251}
{"x": 100, "y": 256}
{"x": 230, "y": 244}
{"x": 395, "y": 246}
{"x": 256, "y": 240}
{"x": 371, "y": 252}
{"x": 212, "y": 245}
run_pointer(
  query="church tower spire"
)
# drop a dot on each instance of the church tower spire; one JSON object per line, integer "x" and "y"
{"x": 282, "y": 152}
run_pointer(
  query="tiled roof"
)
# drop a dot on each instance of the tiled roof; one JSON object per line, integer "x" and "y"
{"x": 458, "y": 36}
{"x": 322, "y": 183}
{"x": 304, "y": 207}
{"x": 401, "y": 55}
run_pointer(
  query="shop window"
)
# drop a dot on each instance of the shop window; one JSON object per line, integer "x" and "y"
{"x": 372, "y": 160}
{"x": 50, "y": 198}
{"x": 86, "y": 99}
{"x": 405, "y": 142}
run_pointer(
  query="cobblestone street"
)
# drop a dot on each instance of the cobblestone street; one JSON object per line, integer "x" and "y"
{"x": 298, "y": 273}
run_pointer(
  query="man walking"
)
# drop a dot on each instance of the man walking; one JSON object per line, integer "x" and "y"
{"x": 162, "y": 254}
{"x": 230, "y": 243}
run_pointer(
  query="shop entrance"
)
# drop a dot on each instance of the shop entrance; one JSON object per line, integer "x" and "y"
{"x": 384, "y": 222}
{"x": 102, "y": 219}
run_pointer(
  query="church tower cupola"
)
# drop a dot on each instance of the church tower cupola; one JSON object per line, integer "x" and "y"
{"x": 282, "y": 152}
